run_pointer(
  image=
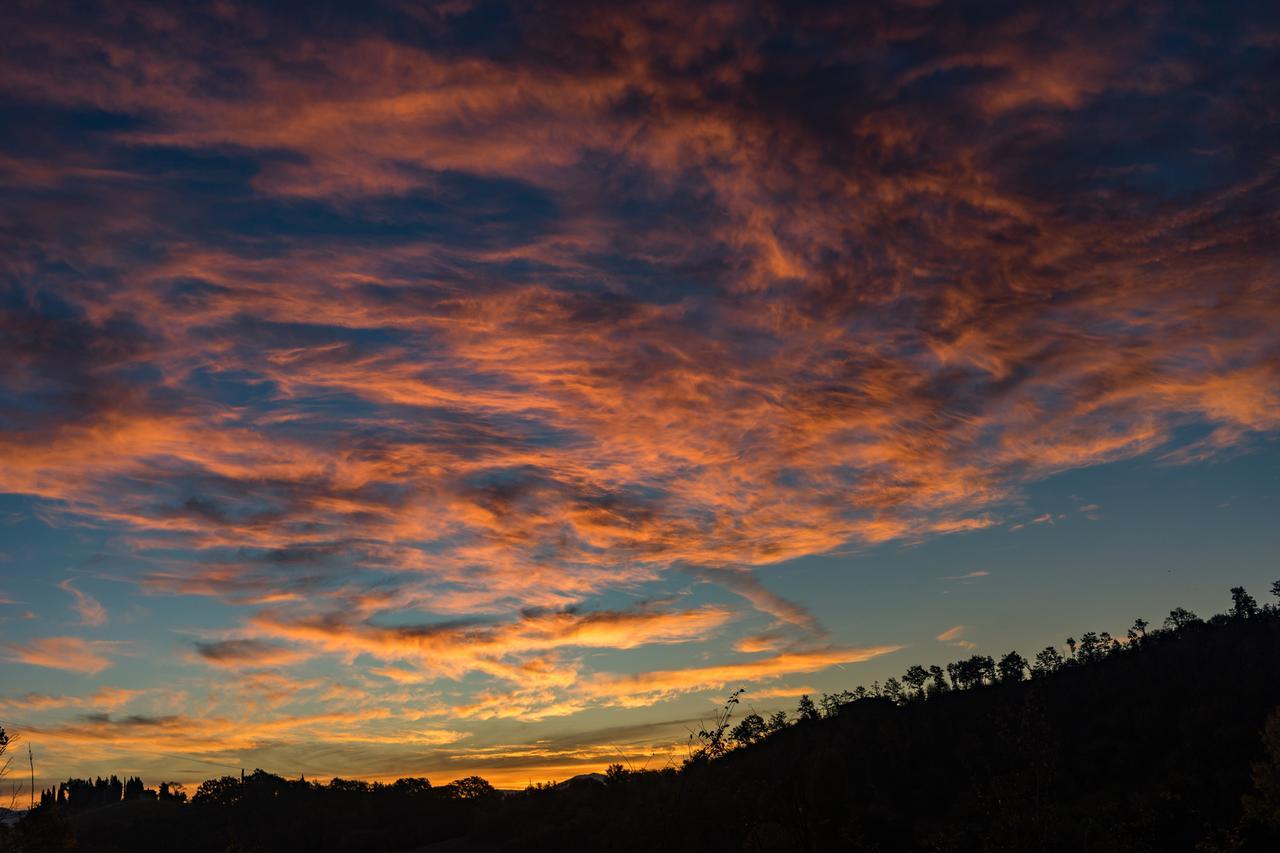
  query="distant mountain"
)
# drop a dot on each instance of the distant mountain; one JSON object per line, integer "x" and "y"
{"x": 588, "y": 778}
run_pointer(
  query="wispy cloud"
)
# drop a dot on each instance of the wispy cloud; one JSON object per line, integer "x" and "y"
{"x": 74, "y": 654}
{"x": 537, "y": 701}
{"x": 533, "y": 424}
{"x": 536, "y": 651}
{"x": 105, "y": 699}
{"x": 644, "y": 688}
{"x": 234, "y": 654}
{"x": 755, "y": 643}
{"x": 92, "y": 613}
{"x": 968, "y": 576}
{"x": 955, "y": 637}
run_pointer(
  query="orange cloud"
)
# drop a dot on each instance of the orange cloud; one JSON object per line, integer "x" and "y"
{"x": 91, "y": 611}
{"x": 513, "y": 651}
{"x": 73, "y": 654}
{"x": 757, "y": 643}
{"x": 644, "y": 688}
{"x": 955, "y": 637}
{"x": 107, "y": 698}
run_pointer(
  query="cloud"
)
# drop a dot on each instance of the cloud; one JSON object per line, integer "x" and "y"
{"x": 575, "y": 437}
{"x": 528, "y": 651}
{"x": 203, "y": 735}
{"x": 92, "y": 613}
{"x": 1092, "y": 511}
{"x": 73, "y": 654}
{"x": 105, "y": 699}
{"x": 970, "y": 576}
{"x": 757, "y": 643}
{"x": 534, "y": 701}
{"x": 748, "y": 586}
{"x": 644, "y": 688}
{"x": 782, "y": 692}
{"x": 955, "y": 637}
{"x": 235, "y": 654}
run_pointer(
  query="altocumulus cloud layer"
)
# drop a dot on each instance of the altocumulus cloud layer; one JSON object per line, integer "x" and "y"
{"x": 411, "y": 335}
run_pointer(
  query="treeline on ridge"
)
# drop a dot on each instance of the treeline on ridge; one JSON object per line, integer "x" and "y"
{"x": 1165, "y": 739}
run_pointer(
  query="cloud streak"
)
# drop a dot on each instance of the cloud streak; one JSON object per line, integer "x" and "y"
{"x": 954, "y": 636}
{"x": 92, "y": 613}
{"x": 234, "y": 654}
{"x": 73, "y": 654}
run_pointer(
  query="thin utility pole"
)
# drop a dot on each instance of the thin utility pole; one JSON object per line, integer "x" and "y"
{"x": 31, "y": 761}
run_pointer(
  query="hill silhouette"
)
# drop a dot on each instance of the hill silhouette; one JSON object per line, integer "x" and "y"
{"x": 1166, "y": 740}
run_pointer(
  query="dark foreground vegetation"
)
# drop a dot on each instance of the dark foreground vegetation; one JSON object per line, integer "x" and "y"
{"x": 1166, "y": 740}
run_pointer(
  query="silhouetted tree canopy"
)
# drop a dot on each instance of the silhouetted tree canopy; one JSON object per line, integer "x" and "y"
{"x": 806, "y": 710}
{"x": 1168, "y": 741}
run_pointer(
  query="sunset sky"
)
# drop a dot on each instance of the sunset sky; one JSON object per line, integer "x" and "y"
{"x": 436, "y": 389}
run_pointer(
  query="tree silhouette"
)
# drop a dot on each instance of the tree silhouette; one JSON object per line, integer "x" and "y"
{"x": 224, "y": 792}
{"x": 714, "y": 741}
{"x": 916, "y": 677}
{"x": 830, "y": 703}
{"x": 985, "y": 768}
{"x": 1048, "y": 660}
{"x": 350, "y": 786}
{"x": 470, "y": 788}
{"x": 411, "y": 785}
{"x": 1179, "y": 618}
{"x": 777, "y": 722}
{"x": 984, "y": 668}
{"x": 1094, "y": 646}
{"x": 939, "y": 679}
{"x": 1012, "y": 667}
{"x": 749, "y": 729}
{"x": 1243, "y": 605}
{"x": 972, "y": 672}
{"x": 172, "y": 792}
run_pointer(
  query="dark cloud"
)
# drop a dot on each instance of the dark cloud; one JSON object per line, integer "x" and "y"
{"x": 246, "y": 653}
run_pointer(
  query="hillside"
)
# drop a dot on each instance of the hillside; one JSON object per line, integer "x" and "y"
{"x": 1144, "y": 748}
{"x": 1156, "y": 744}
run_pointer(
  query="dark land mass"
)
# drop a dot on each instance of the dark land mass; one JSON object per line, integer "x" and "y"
{"x": 1167, "y": 741}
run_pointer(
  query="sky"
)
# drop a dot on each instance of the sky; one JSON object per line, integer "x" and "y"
{"x": 433, "y": 389}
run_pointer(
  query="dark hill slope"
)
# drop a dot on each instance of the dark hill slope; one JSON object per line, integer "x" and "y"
{"x": 1147, "y": 749}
